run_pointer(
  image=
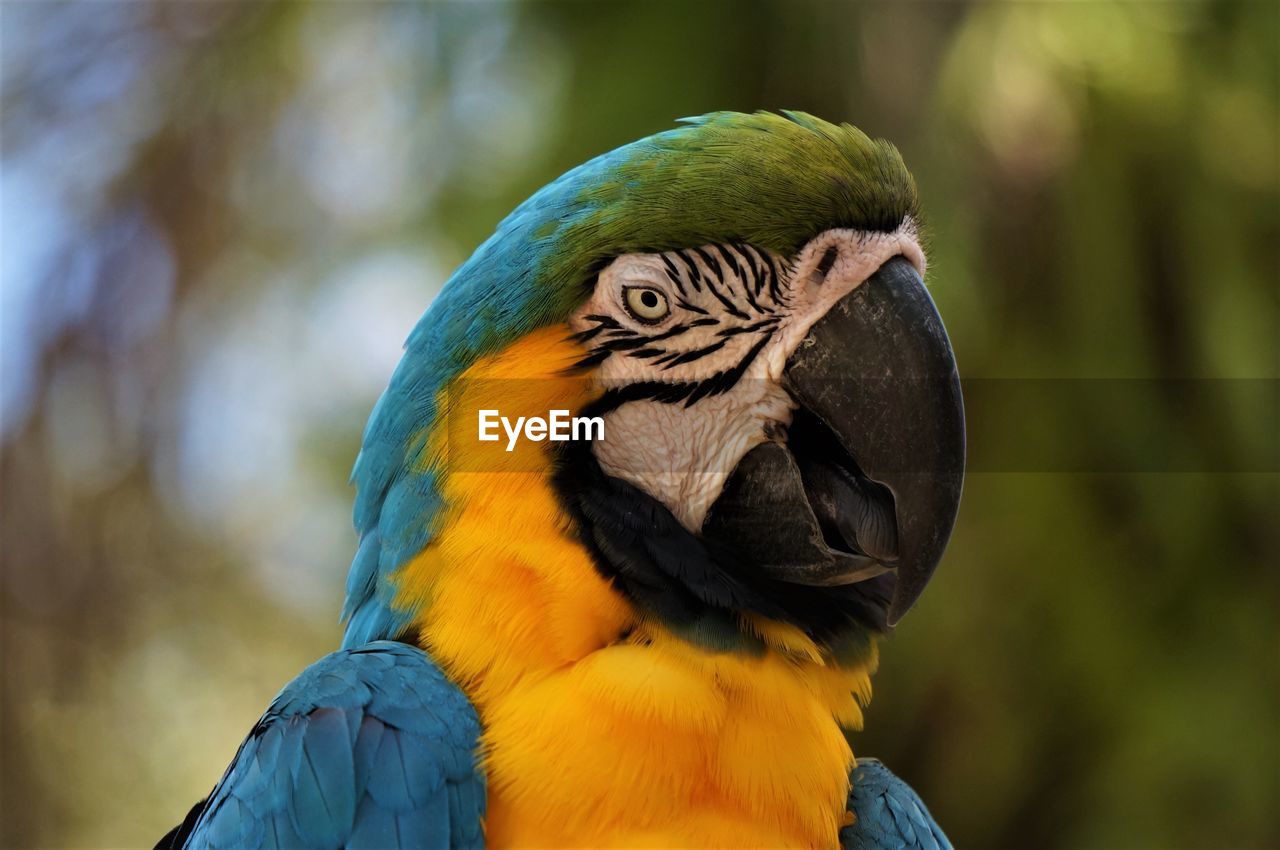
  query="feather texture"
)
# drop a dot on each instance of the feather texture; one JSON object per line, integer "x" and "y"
{"x": 369, "y": 749}
{"x": 888, "y": 814}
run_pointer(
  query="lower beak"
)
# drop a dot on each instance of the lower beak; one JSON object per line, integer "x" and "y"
{"x": 869, "y": 478}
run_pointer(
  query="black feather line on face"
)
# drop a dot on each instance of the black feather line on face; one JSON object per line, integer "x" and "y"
{"x": 629, "y": 344}
{"x": 750, "y": 278}
{"x": 602, "y": 322}
{"x": 695, "y": 354}
{"x": 760, "y": 273}
{"x": 763, "y": 324}
{"x": 588, "y": 362}
{"x": 695, "y": 276}
{"x": 673, "y": 273}
{"x": 729, "y": 306}
{"x": 587, "y": 335}
{"x": 730, "y": 260}
{"x": 680, "y": 329}
{"x": 775, "y": 280}
{"x": 627, "y": 340}
{"x": 712, "y": 265}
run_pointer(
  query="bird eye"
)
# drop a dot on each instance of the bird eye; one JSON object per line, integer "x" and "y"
{"x": 645, "y": 304}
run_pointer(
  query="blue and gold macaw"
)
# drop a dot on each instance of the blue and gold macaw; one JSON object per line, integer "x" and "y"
{"x": 652, "y": 631}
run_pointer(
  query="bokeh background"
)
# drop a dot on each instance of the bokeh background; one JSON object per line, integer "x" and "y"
{"x": 220, "y": 220}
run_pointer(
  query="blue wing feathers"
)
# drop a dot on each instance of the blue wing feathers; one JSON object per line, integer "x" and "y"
{"x": 369, "y": 749}
{"x": 888, "y": 814}
{"x": 466, "y": 797}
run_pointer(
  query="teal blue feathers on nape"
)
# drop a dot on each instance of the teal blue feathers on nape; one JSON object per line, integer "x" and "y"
{"x": 772, "y": 180}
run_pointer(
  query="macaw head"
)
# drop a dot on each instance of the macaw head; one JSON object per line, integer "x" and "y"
{"x": 740, "y": 303}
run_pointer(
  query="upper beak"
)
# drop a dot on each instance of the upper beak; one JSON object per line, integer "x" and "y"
{"x": 871, "y": 474}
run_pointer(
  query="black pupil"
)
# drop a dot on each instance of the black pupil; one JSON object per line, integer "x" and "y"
{"x": 649, "y": 299}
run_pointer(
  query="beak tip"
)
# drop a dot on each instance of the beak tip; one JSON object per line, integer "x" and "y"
{"x": 902, "y": 602}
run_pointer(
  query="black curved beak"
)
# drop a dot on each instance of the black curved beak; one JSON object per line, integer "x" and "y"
{"x": 870, "y": 476}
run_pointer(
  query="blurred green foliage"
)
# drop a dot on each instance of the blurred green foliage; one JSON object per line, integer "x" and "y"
{"x": 220, "y": 220}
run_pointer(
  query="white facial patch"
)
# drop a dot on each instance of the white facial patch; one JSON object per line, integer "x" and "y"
{"x": 693, "y": 343}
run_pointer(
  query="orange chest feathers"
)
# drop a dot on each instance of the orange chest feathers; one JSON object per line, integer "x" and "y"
{"x": 602, "y": 729}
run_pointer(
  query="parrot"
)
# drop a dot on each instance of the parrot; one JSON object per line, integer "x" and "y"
{"x": 657, "y": 630}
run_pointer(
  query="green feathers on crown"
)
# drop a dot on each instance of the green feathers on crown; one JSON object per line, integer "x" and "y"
{"x": 774, "y": 181}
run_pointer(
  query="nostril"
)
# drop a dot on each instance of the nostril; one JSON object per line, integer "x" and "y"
{"x": 828, "y": 260}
